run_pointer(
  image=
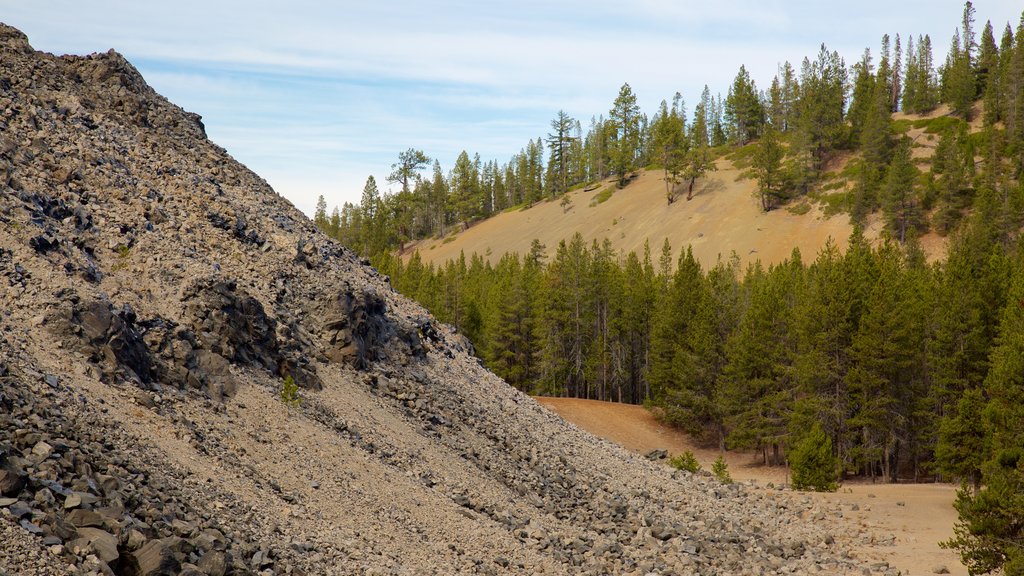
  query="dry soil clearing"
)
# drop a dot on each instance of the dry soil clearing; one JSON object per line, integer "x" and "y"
{"x": 723, "y": 218}
{"x": 919, "y": 515}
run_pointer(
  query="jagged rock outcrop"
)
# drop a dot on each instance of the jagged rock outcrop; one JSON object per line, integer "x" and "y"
{"x": 153, "y": 296}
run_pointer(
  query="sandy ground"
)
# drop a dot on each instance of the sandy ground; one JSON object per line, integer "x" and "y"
{"x": 723, "y": 217}
{"x": 918, "y": 515}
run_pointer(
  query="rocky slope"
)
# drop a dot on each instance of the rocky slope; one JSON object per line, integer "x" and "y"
{"x": 154, "y": 295}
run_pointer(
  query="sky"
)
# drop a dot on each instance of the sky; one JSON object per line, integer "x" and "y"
{"x": 316, "y": 95}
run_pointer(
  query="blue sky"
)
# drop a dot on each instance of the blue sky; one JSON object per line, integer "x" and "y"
{"x": 315, "y": 96}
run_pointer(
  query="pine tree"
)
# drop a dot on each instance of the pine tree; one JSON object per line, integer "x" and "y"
{"x": 824, "y": 325}
{"x": 768, "y": 170}
{"x": 989, "y": 532}
{"x": 887, "y": 354}
{"x": 320, "y": 216}
{"x": 863, "y": 88}
{"x": 675, "y": 314}
{"x": 744, "y": 111}
{"x": 757, "y": 388}
{"x": 958, "y": 82}
{"x": 987, "y": 74}
{"x": 633, "y": 326}
{"x": 821, "y": 126}
{"x": 901, "y": 206}
{"x": 559, "y": 141}
{"x": 624, "y": 118}
{"x": 896, "y": 79}
{"x": 671, "y": 146}
{"x": 813, "y": 465}
{"x": 565, "y": 321}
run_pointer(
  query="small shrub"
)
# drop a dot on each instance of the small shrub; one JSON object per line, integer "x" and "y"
{"x": 799, "y": 209}
{"x": 813, "y": 465}
{"x": 938, "y": 125}
{"x": 290, "y": 393}
{"x": 836, "y": 203}
{"x": 566, "y": 203}
{"x": 721, "y": 470}
{"x": 685, "y": 461}
{"x": 603, "y": 196}
{"x": 123, "y": 252}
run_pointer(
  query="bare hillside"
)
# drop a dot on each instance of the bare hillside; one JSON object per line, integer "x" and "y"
{"x": 723, "y": 217}
{"x": 156, "y": 296}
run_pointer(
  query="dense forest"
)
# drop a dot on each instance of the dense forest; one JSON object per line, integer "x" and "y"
{"x": 914, "y": 370}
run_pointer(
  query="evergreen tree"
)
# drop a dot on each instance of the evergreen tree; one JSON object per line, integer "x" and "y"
{"x": 888, "y": 359}
{"x": 633, "y": 326}
{"x": 744, "y": 111}
{"x": 768, "y": 170}
{"x": 821, "y": 126}
{"x": 896, "y": 79}
{"x": 757, "y": 389}
{"x": 824, "y": 325}
{"x": 901, "y": 206}
{"x": 465, "y": 190}
{"x": 990, "y": 532}
{"x": 624, "y": 118}
{"x": 566, "y": 321}
{"x": 671, "y": 146}
{"x": 559, "y": 141}
{"x": 814, "y": 467}
{"x": 958, "y": 82}
{"x": 320, "y": 216}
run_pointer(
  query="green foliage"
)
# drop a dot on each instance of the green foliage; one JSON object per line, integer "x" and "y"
{"x": 721, "y": 470}
{"x": 624, "y": 123}
{"x": 123, "y": 253}
{"x": 766, "y": 165}
{"x": 812, "y": 463}
{"x": 685, "y": 461}
{"x": 939, "y": 124}
{"x": 990, "y": 532}
{"x": 799, "y": 209}
{"x": 289, "y": 393}
{"x": 602, "y": 196}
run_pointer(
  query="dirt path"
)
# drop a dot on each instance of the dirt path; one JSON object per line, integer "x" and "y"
{"x": 918, "y": 515}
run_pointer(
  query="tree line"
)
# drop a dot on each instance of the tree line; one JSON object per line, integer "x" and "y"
{"x": 808, "y": 117}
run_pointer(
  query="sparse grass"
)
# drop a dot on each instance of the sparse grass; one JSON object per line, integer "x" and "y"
{"x": 836, "y": 184}
{"x": 836, "y": 203}
{"x": 602, "y": 196}
{"x": 449, "y": 239}
{"x": 800, "y": 208}
{"x": 743, "y": 156}
{"x": 902, "y": 126}
{"x": 937, "y": 125}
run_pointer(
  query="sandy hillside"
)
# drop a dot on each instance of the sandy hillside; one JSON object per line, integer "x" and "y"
{"x": 723, "y": 217}
{"x": 918, "y": 515}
